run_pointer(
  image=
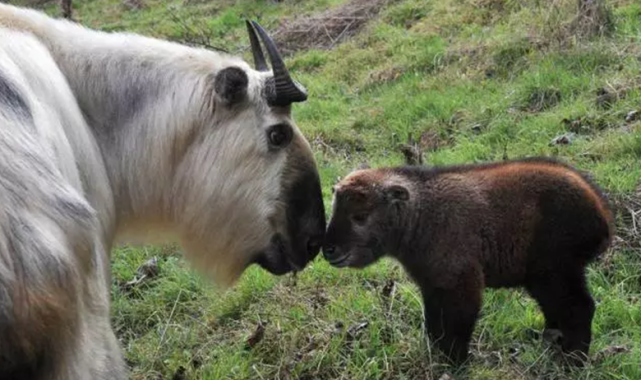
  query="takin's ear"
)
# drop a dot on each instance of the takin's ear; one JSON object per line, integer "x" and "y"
{"x": 231, "y": 85}
{"x": 397, "y": 193}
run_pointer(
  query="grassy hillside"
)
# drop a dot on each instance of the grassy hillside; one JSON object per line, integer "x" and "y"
{"x": 471, "y": 81}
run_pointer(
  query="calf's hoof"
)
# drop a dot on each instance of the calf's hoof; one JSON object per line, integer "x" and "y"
{"x": 553, "y": 336}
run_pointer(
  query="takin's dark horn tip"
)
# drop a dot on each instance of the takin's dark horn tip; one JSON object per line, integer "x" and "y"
{"x": 285, "y": 90}
{"x": 257, "y": 51}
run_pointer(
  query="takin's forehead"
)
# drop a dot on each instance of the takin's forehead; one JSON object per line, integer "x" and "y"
{"x": 370, "y": 181}
{"x": 364, "y": 180}
{"x": 257, "y": 80}
{"x": 366, "y": 184}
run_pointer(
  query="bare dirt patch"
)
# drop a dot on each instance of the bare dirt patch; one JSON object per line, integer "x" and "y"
{"x": 326, "y": 29}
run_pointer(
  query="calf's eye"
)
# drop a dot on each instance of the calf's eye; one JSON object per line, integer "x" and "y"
{"x": 359, "y": 218}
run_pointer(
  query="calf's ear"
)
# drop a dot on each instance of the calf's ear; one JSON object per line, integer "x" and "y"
{"x": 230, "y": 85}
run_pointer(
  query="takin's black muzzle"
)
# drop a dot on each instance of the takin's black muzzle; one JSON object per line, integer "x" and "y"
{"x": 305, "y": 218}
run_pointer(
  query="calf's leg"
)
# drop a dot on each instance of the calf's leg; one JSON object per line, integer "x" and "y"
{"x": 451, "y": 313}
{"x": 566, "y": 302}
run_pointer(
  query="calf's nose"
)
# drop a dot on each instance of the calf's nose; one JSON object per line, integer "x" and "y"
{"x": 329, "y": 251}
{"x": 314, "y": 245}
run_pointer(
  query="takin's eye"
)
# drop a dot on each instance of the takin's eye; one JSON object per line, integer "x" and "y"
{"x": 279, "y": 135}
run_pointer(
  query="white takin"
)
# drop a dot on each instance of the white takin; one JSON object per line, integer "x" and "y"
{"x": 110, "y": 136}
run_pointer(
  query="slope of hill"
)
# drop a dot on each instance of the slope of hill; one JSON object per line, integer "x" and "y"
{"x": 469, "y": 81}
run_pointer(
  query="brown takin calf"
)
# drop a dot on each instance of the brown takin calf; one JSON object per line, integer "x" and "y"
{"x": 535, "y": 223}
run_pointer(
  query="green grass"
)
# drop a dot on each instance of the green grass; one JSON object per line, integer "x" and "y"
{"x": 478, "y": 79}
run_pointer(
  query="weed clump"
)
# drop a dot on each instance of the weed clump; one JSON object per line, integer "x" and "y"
{"x": 588, "y": 124}
{"x": 585, "y": 19}
{"x": 407, "y": 14}
{"x": 541, "y": 99}
{"x": 593, "y": 19}
{"x": 511, "y": 58}
{"x": 628, "y": 209}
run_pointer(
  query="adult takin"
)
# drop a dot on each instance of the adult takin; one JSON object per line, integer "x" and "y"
{"x": 110, "y": 137}
{"x": 534, "y": 223}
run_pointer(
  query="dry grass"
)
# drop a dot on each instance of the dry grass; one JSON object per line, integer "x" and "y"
{"x": 593, "y": 18}
{"x": 628, "y": 209}
{"x": 589, "y": 18}
{"x": 327, "y": 29}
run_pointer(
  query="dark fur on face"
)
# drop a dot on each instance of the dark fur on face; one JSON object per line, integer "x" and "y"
{"x": 363, "y": 205}
{"x": 533, "y": 223}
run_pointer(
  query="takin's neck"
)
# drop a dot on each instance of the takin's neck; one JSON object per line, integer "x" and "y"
{"x": 141, "y": 98}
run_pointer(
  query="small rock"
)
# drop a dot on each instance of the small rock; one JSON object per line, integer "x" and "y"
{"x": 354, "y": 330}
{"x": 446, "y": 376}
{"x": 477, "y": 128}
{"x": 564, "y": 139}
{"x": 632, "y": 116}
{"x": 146, "y": 271}
{"x": 149, "y": 268}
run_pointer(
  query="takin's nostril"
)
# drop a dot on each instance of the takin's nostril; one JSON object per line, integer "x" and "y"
{"x": 329, "y": 250}
{"x": 314, "y": 245}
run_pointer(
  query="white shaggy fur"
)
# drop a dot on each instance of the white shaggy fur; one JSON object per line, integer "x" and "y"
{"x": 126, "y": 140}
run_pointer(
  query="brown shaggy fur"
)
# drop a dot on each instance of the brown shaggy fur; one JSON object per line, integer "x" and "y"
{"x": 534, "y": 223}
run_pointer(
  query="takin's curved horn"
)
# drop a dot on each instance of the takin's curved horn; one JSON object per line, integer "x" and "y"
{"x": 257, "y": 51}
{"x": 285, "y": 90}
